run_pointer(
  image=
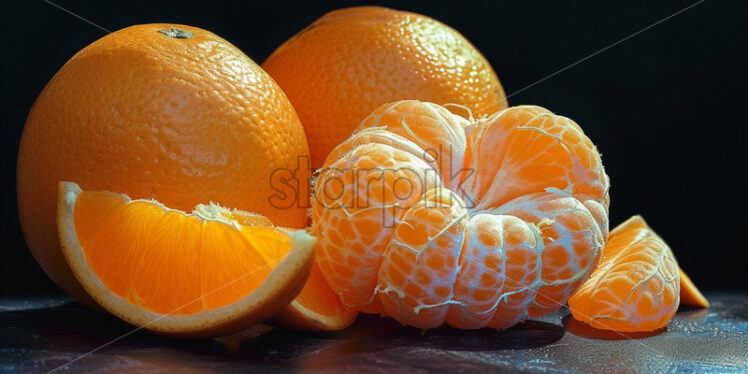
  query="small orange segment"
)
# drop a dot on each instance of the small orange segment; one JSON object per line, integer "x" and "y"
{"x": 316, "y": 308}
{"x": 689, "y": 294}
{"x": 636, "y": 286}
{"x": 210, "y": 272}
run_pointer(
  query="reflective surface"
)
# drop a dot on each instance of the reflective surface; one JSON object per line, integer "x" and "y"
{"x": 39, "y": 335}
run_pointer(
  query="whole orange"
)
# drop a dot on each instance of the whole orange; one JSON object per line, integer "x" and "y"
{"x": 349, "y": 62}
{"x": 159, "y": 111}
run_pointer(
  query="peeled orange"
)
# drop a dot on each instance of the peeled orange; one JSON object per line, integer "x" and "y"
{"x": 433, "y": 218}
{"x": 210, "y": 272}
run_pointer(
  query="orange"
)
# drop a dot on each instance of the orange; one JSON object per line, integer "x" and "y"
{"x": 158, "y": 111}
{"x": 210, "y": 272}
{"x": 636, "y": 287}
{"x": 317, "y": 308}
{"x": 689, "y": 294}
{"x": 350, "y": 61}
{"x": 429, "y": 217}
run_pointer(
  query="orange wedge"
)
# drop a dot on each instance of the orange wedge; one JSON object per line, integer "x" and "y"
{"x": 689, "y": 294}
{"x": 207, "y": 273}
{"x": 316, "y": 308}
{"x": 637, "y": 284}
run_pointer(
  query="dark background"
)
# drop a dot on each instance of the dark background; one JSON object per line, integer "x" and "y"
{"x": 666, "y": 108}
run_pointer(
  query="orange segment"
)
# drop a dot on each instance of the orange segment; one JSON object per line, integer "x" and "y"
{"x": 571, "y": 245}
{"x": 420, "y": 265}
{"x": 521, "y": 252}
{"x": 435, "y": 130}
{"x": 636, "y": 285}
{"x": 488, "y": 141}
{"x": 197, "y": 274}
{"x": 515, "y": 244}
{"x": 527, "y": 149}
{"x": 316, "y": 308}
{"x": 356, "y": 224}
{"x": 689, "y": 294}
{"x": 480, "y": 281}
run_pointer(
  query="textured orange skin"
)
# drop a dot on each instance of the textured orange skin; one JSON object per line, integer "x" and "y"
{"x": 183, "y": 121}
{"x": 349, "y": 62}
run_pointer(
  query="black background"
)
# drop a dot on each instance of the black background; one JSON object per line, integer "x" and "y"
{"x": 666, "y": 108}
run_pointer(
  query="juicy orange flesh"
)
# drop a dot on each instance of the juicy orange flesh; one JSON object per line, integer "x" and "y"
{"x": 319, "y": 297}
{"x": 636, "y": 285}
{"x": 166, "y": 261}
